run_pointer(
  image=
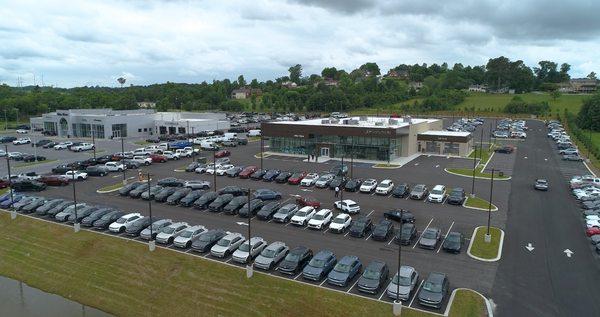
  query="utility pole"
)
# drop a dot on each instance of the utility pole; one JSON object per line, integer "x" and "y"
{"x": 123, "y": 159}
{"x": 249, "y": 270}
{"x": 481, "y": 145}
{"x": 474, "y": 168}
{"x": 488, "y": 237}
{"x": 214, "y": 170}
{"x": 342, "y": 189}
{"x": 76, "y": 225}
{"x": 13, "y": 213}
{"x": 397, "y": 308}
{"x": 192, "y": 154}
{"x": 262, "y": 150}
{"x": 151, "y": 243}
{"x": 93, "y": 141}
{"x": 5, "y": 121}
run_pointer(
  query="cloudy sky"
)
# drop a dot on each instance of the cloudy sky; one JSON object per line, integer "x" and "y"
{"x": 75, "y": 43}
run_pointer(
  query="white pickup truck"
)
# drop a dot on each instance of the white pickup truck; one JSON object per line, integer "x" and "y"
{"x": 143, "y": 160}
{"x": 83, "y": 147}
{"x": 187, "y": 151}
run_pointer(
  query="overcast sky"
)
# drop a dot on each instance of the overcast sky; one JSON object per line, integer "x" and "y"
{"x": 76, "y": 43}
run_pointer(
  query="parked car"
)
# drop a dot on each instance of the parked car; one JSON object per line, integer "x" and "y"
{"x": 338, "y": 181}
{"x": 296, "y": 178}
{"x": 220, "y": 202}
{"x": 419, "y": 192}
{"x": 368, "y": 186}
{"x": 41, "y": 210}
{"x": 434, "y": 290}
{"x": 233, "y": 190}
{"x": 453, "y": 242}
{"x": 151, "y": 192}
{"x": 353, "y": 185}
{"x": 266, "y": 194}
{"x": 249, "y": 209}
{"x": 309, "y": 179}
{"x": 28, "y": 185}
{"x": 295, "y": 261}
{"x": 321, "y": 219}
{"x": 205, "y": 241}
{"x": 206, "y": 199}
{"x": 170, "y": 182}
{"x": 249, "y": 250}
{"x": 90, "y": 219}
{"x": 347, "y": 205}
{"x": 167, "y": 234}
{"x": 258, "y": 174}
{"x": 114, "y": 166}
{"x": 340, "y": 223}
{"x": 21, "y": 141}
{"x": 164, "y": 193}
{"x": 267, "y": 211}
{"x": 270, "y": 256}
{"x": 399, "y": 215}
{"x": 504, "y": 149}
{"x": 271, "y": 175}
{"x": 138, "y": 226}
{"x": 125, "y": 221}
{"x": 456, "y": 197}
{"x": 282, "y": 177}
{"x": 124, "y": 191}
{"x": 77, "y": 175}
{"x": 33, "y": 158}
{"x": 303, "y": 216}
{"x": 234, "y": 205}
{"x": 227, "y": 245}
{"x": 285, "y": 213}
{"x": 185, "y": 237}
{"x": 190, "y": 198}
{"x": 373, "y": 278}
{"x": 406, "y": 235}
{"x": 150, "y": 232}
{"x": 174, "y": 198}
{"x": 404, "y": 284}
{"x": 541, "y": 184}
{"x": 222, "y": 153}
{"x": 383, "y": 230}
{"x": 82, "y": 147}
{"x": 308, "y": 201}
{"x": 319, "y": 266}
{"x": 346, "y": 269}
{"x": 360, "y": 227}
{"x": 385, "y": 187}
{"x": 437, "y": 194}
{"x": 430, "y": 238}
{"x": 96, "y": 171}
{"x": 324, "y": 180}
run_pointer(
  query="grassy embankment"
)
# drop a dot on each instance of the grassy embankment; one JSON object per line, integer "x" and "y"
{"x": 486, "y": 250}
{"x": 125, "y": 279}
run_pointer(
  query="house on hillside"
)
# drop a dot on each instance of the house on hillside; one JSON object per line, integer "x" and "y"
{"x": 397, "y": 74}
{"x": 146, "y": 105}
{"x": 289, "y": 84}
{"x": 244, "y": 93}
{"x": 478, "y": 88}
{"x": 583, "y": 86}
{"x": 417, "y": 85}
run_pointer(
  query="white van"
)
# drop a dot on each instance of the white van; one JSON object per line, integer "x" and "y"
{"x": 254, "y": 132}
{"x": 229, "y": 136}
{"x": 208, "y": 145}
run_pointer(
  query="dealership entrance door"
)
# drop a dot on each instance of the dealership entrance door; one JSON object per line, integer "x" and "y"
{"x": 325, "y": 151}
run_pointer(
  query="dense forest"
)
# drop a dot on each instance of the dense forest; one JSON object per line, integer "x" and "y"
{"x": 332, "y": 90}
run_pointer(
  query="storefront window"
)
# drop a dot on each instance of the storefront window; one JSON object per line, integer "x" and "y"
{"x": 119, "y": 130}
{"x": 451, "y": 148}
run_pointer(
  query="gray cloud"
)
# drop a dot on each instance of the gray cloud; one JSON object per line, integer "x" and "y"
{"x": 342, "y": 6}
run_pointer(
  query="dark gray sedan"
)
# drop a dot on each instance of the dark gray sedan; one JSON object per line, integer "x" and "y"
{"x": 430, "y": 238}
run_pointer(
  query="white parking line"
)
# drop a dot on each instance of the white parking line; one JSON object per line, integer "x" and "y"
{"x": 324, "y": 280}
{"x": 351, "y": 287}
{"x": 373, "y": 194}
{"x": 297, "y": 276}
{"x": 229, "y": 260}
{"x": 441, "y": 244}
{"x": 444, "y": 201}
{"x": 415, "y": 294}
{"x": 422, "y": 233}
{"x": 324, "y": 232}
{"x": 305, "y": 228}
{"x": 270, "y": 220}
{"x": 370, "y": 213}
{"x": 385, "y": 290}
{"x": 347, "y": 233}
{"x": 367, "y": 239}
{"x": 287, "y": 224}
{"x": 391, "y": 240}
{"x": 407, "y": 197}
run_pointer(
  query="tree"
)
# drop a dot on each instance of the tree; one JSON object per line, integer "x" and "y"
{"x": 498, "y": 72}
{"x": 564, "y": 72}
{"x": 295, "y": 73}
{"x": 592, "y": 75}
{"x": 370, "y": 69}
{"x": 589, "y": 114}
{"x": 547, "y": 72}
{"x": 555, "y": 94}
{"x": 330, "y": 73}
{"x": 241, "y": 81}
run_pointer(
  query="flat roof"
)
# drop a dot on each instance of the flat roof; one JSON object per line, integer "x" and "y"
{"x": 364, "y": 122}
{"x": 446, "y": 133}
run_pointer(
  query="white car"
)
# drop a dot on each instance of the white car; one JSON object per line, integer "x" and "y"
{"x": 63, "y": 145}
{"x": 340, "y": 223}
{"x": 582, "y": 193}
{"x": 223, "y": 169}
{"x": 124, "y": 222}
{"x": 170, "y": 155}
{"x": 303, "y": 216}
{"x": 83, "y": 147}
{"x": 321, "y": 219}
{"x": 210, "y": 168}
{"x": 518, "y": 134}
{"x": 21, "y": 141}
{"x": 368, "y": 186}
{"x": 248, "y": 251}
{"x": 437, "y": 194}
{"x": 227, "y": 245}
{"x": 115, "y": 166}
{"x": 385, "y": 187}
{"x": 170, "y": 232}
{"x": 592, "y": 223}
{"x": 78, "y": 175}
{"x": 309, "y": 180}
{"x": 143, "y": 160}
{"x": 22, "y": 131}
{"x": 184, "y": 152}
{"x": 13, "y": 155}
{"x": 347, "y": 205}
{"x": 184, "y": 239}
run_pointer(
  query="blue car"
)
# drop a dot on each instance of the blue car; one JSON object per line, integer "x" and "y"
{"x": 5, "y": 196}
{"x": 266, "y": 194}
{"x": 6, "y": 203}
{"x": 319, "y": 266}
{"x": 344, "y": 271}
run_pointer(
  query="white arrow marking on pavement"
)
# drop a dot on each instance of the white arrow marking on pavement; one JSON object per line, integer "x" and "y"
{"x": 242, "y": 223}
{"x": 416, "y": 164}
{"x": 529, "y": 247}
{"x": 545, "y": 159}
{"x": 525, "y": 157}
{"x": 437, "y": 166}
{"x": 568, "y": 252}
{"x": 306, "y": 190}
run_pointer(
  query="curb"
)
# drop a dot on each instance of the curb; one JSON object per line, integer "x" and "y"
{"x": 488, "y": 306}
{"x": 495, "y": 208}
{"x": 386, "y": 167}
{"x": 478, "y": 177}
{"x": 108, "y": 191}
{"x": 499, "y": 246}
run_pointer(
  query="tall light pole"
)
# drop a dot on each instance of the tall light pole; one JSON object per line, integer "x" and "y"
{"x": 214, "y": 170}
{"x": 13, "y": 213}
{"x": 151, "y": 243}
{"x": 398, "y": 303}
{"x": 76, "y": 225}
{"x": 93, "y": 140}
{"x": 249, "y": 270}
{"x": 262, "y": 150}
{"x": 488, "y": 237}
{"x": 123, "y": 159}
{"x": 474, "y": 167}
{"x": 481, "y": 145}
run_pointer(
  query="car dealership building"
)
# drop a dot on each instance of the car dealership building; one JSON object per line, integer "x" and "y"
{"x": 367, "y": 138}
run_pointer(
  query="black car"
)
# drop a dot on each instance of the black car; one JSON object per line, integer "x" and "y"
{"x": 234, "y": 205}
{"x": 107, "y": 219}
{"x": 162, "y": 195}
{"x": 104, "y": 159}
{"x": 61, "y": 169}
{"x": 60, "y": 207}
{"x": 191, "y": 197}
{"x": 192, "y": 166}
{"x": 41, "y": 142}
{"x": 82, "y": 213}
{"x": 258, "y": 175}
{"x": 295, "y": 260}
{"x": 137, "y": 226}
{"x": 504, "y": 149}
{"x": 383, "y": 230}
{"x": 220, "y": 203}
{"x": 178, "y": 195}
{"x": 373, "y": 278}
{"x": 124, "y": 191}
{"x": 434, "y": 290}
{"x": 234, "y": 172}
{"x": 406, "y": 235}
{"x": 204, "y": 200}
{"x": 338, "y": 181}
{"x": 7, "y": 139}
{"x": 267, "y": 211}
{"x": 283, "y": 177}
{"x": 270, "y": 175}
{"x": 49, "y": 145}
{"x": 401, "y": 190}
{"x": 233, "y": 190}
{"x": 360, "y": 227}
{"x": 33, "y": 158}
{"x": 137, "y": 192}
{"x": 170, "y": 182}
{"x": 31, "y": 207}
{"x": 203, "y": 242}
{"x": 456, "y": 197}
{"x": 399, "y": 215}
{"x": 91, "y": 218}
{"x": 87, "y": 163}
{"x": 353, "y": 185}
{"x": 28, "y": 185}
{"x": 43, "y": 209}
{"x": 131, "y": 165}
{"x": 253, "y": 206}
{"x": 96, "y": 170}
{"x": 453, "y": 242}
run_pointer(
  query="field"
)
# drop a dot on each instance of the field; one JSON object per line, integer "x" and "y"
{"x": 125, "y": 279}
{"x": 495, "y": 102}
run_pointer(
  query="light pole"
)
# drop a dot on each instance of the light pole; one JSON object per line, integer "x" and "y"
{"x": 214, "y": 170}
{"x": 340, "y": 187}
{"x": 93, "y": 141}
{"x": 123, "y": 159}
{"x": 76, "y": 225}
{"x": 249, "y": 270}
{"x": 262, "y": 150}
{"x": 192, "y": 154}
{"x": 151, "y": 243}
{"x": 474, "y": 167}
{"x": 397, "y": 308}
{"x": 13, "y": 213}
{"x": 488, "y": 237}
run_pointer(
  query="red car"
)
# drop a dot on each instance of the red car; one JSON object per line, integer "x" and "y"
{"x": 54, "y": 180}
{"x": 249, "y": 170}
{"x": 296, "y": 178}
{"x": 3, "y": 183}
{"x": 222, "y": 153}
{"x": 157, "y": 158}
{"x": 308, "y": 201}
{"x": 592, "y": 231}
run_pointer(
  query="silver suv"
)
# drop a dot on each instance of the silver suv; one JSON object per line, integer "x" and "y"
{"x": 227, "y": 245}
{"x": 184, "y": 239}
{"x": 248, "y": 251}
{"x": 169, "y": 233}
{"x": 271, "y": 255}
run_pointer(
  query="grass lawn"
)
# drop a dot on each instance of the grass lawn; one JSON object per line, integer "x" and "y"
{"x": 486, "y": 250}
{"x": 123, "y": 278}
{"x": 468, "y": 172}
{"x": 3, "y": 190}
{"x": 478, "y": 203}
{"x": 34, "y": 163}
{"x": 495, "y": 102}
{"x": 141, "y": 142}
{"x": 468, "y": 304}
{"x": 385, "y": 165}
{"x": 111, "y": 187}
{"x": 254, "y": 139}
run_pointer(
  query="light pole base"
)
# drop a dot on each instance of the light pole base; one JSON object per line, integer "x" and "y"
{"x": 249, "y": 271}
{"x": 151, "y": 245}
{"x": 472, "y": 195}
{"x": 124, "y": 182}
{"x": 487, "y": 238}
{"x": 397, "y": 308}
{"x": 76, "y": 227}
{"x": 13, "y": 214}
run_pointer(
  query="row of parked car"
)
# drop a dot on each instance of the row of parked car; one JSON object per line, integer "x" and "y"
{"x": 313, "y": 266}
{"x": 564, "y": 146}
{"x": 586, "y": 190}
{"x": 508, "y": 128}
